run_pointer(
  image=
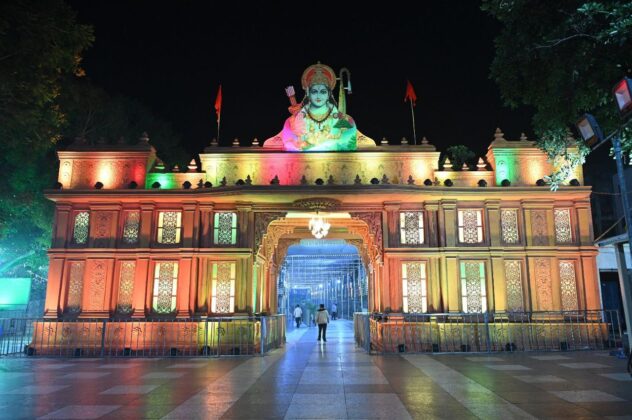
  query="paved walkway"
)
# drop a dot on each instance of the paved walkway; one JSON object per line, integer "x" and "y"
{"x": 308, "y": 379}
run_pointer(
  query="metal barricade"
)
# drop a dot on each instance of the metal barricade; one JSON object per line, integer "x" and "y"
{"x": 156, "y": 337}
{"x": 488, "y": 332}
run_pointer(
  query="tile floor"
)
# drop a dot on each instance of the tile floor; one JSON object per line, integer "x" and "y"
{"x": 313, "y": 380}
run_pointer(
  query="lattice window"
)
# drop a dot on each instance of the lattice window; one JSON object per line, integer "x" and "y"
{"x": 473, "y": 290}
{"x": 82, "y": 228}
{"x": 75, "y": 287}
{"x": 414, "y": 286}
{"x": 131, "y": 227}
{"x": 563, "y": 233}
{"x": 513, "y": 281}
{"x": 165, "y": 287}
{"x": 223, "y": 287}
{"x": 470, "y": 226}
{"x": 411, "y": 228}
{"x": 126, "y": 287}
{"x": 568, "y": 285}
{"x": 169, "y": 226}
{"x": 225, "y": 228}
{"x": 509, "y": 226}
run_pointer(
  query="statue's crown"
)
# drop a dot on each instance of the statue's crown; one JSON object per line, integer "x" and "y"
{"x": 318, "y": 74}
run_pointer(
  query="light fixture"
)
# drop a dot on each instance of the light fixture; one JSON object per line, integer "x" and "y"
{"x": 589, "y": 130}
{"x": 319, "y": 226}
{"x": 623, "y": 96}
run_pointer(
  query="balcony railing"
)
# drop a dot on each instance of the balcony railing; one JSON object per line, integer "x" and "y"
{"x": 208, "y": 337}
{"x": 487, "y": 332}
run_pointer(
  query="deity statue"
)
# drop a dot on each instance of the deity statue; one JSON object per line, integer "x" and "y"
{"x": 316, "y": 124}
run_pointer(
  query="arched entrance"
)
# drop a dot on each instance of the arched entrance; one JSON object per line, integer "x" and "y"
{"x": 282, "y": 233}
{"x": 327, "y": 271}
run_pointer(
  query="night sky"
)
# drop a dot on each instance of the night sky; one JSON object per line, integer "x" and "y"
{"x": 172, "y": 58}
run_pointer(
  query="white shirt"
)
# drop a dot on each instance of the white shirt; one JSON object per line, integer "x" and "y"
{"x": 298, "y": 312}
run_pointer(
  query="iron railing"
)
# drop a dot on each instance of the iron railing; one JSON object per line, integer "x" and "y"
{"x": 208, "y": 337}
{"x": 487, "y": 332}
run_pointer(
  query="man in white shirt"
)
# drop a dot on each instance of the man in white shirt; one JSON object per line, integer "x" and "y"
{"x": 298, "y": 313}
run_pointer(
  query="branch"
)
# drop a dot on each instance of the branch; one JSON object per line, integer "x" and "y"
{"x": 556, "y": 42}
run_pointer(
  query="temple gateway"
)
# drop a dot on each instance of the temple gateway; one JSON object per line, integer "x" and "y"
{"x": 317, "y": 213}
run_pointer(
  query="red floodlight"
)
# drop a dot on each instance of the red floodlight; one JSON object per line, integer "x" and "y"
{"x": 622, "y": 93}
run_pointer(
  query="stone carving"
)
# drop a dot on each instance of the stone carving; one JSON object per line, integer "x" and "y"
{"x": 473, "y": 284}
{"x": 75, "y": 287}
{"x": 411, "y": 225}
{"x": 415, "y": 292}
{"x": 470, "y": 226}
{"x": 374, "y": 221}
{"x": 543, "y": 286}
{"x": 509, "y": 226}
{"x": 170, "y": 227}
{"x": 131, "y": 228}
{"x": 126, "y": 287}
{"x": 562, "y": 218}
{"x": 224, "y": 225}
{"x": 164, "y": 294}
{"x": 98, "y": 280}
{"x": 538, "y": 227}
{"x": 223, "y": 297}
{"x": 262, "y": 220}
{"x": 82, "y": 228}
{"x": 513, "y": 281}
{"x": 568, "y": 285}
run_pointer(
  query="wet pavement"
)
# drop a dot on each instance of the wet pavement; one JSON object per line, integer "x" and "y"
{"x": 310, "y": 379}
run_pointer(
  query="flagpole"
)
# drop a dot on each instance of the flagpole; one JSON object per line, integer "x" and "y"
{"x": 412, "y": 113}
{"x": 218, "y": 120}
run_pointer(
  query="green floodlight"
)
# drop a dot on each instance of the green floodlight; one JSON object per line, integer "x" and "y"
{"x": 590, "y": 131}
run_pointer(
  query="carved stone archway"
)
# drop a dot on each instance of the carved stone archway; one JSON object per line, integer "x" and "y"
{"x": 284, "y": 232}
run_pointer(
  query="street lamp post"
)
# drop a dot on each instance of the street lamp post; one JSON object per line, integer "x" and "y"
{"x": 593, "y": 136}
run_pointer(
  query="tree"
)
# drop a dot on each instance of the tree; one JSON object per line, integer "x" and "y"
{"x": 458, "y": 154}
{"x": 94, "y": 114}
{"x": 40, "y": 44}
{"x": 562, "y": 58}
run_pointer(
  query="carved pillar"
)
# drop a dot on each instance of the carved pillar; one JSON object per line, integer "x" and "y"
{"x": 584, "y": 223}
{"x": 189, "y": 225}
{"x": 61, "y": 228}
{"x": 392, "y": 214}
{"x": 590, "y": 284}
{"x": 433, "y": 274}
{"x": 142, "y": 283}
{"x": 432, "y": 228}
{"x": 498, "y": 285}
{"x": 449, "y": 222}
{"x": 493, "y": 214}
{"x": 245, "y": 221}
{"x": 54, "y": 287}
{"x": 206, "y": 226}
{"x": 183, "y": 310}
{"x": 146, "y": 222}
{"x": 452, "y": 286}
{"x": 97, "y": 288}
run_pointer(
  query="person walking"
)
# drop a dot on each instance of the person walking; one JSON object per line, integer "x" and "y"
{"x": 298, "y": 313}
{"x": 334, "y": 311}
{"x": 322, "y": 319}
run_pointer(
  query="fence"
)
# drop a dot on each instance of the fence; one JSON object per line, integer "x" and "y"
{"x": 487, "y": 332}
{"x": 209, "y": 337}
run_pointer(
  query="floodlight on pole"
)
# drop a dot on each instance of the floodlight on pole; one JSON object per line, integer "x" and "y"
{"x": 590, "y": 131}
{"x": 622, "y": 93}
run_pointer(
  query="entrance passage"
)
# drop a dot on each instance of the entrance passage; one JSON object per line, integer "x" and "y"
{"x": 328, "y": 271}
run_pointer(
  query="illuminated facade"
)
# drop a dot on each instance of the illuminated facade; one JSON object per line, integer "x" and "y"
{"x": 134, "y": 240}
{"x": 176, "y": 246}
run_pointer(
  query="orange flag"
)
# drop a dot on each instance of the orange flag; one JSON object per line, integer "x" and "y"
{"x": 410, "y": 93}
{"x": 218, "y": 103}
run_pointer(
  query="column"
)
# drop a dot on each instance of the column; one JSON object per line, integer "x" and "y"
{"x": 584, "y": 224}
{"x": 453, "y": 287}
{"x": 143, "y": 280}
{"x": 432, "y": 231}
{"x": 625, "y": 287}
{"x": 183, "y": 310}
{"x": 392, "y": 231}
{"x": 54, "y": 287}
{"x": 449, "y": 222}
{"x": 497, "y": 287}
{"x": 189, "y": 226}
{"x": 61, "y": 228}
{"x": 493, "y": 225}
{"x": 245, "y": 222}
{"x": 146, "y": 225}
{"x": 590, "y": 287}
{"x": 206, "y": 225}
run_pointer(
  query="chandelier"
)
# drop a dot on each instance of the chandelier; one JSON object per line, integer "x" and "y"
{"x": 319, "y": 226}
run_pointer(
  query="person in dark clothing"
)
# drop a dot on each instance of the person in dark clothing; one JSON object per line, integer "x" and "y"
{"x": 322, "y": 319}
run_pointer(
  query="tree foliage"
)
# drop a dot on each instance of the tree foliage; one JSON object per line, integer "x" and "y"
{"x": 562, "y": 58}
{"x": 459, "y": 154}
{"x": 40, "y": 44}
